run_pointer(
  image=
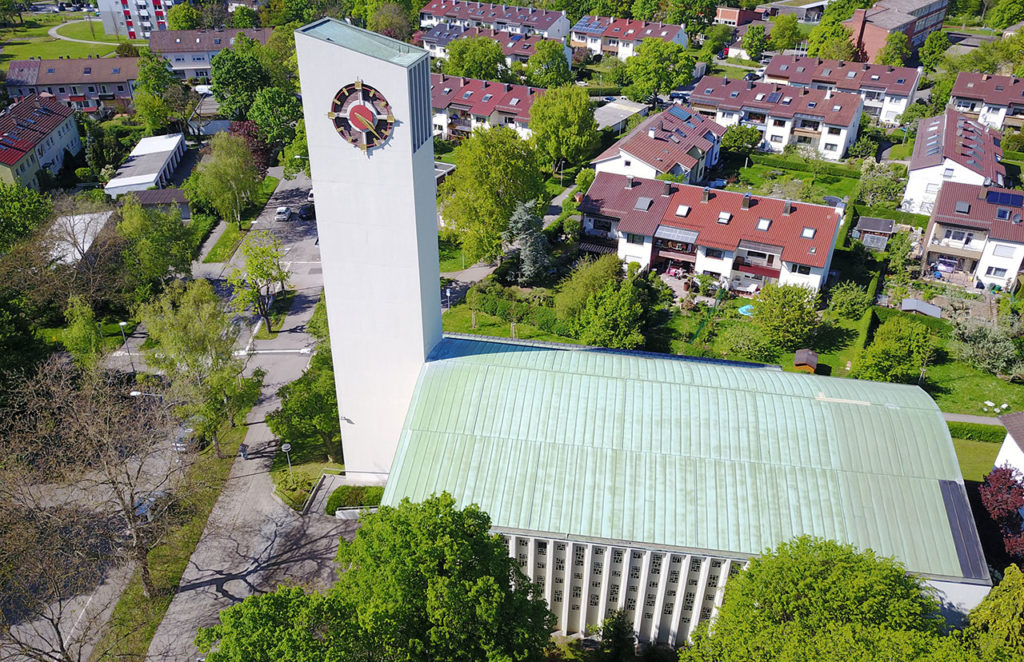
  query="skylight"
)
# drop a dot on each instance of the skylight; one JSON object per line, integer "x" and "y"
{"x": 963, "y": 207}
{"x": 812, "y": 104}
{"x": 784, "y": 67}
{"x": 760, "y": 96}
{"x": 900, "y": 81}
{"x": 724, "y": 216}
{"x": 682, "y": 210}
{"x": 514, "y": 102}
{"x": 836, "y": 108}
{"x": 763, "y": 224}
{"x": 851, "y": 74}
{"x": 467, "y": 94}
{"x": 487, "y": 97}
{"x": 787, "y": 100}
{"x": 808, "y": 233}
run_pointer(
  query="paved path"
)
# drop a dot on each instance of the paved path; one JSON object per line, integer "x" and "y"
{"x": 555, "y": 208}
{"x": 56, "y": 35}
{"x": 464, "y": 280}
{"x": 971, "y": 418}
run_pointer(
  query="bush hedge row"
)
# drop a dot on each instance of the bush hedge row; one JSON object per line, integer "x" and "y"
{"x": 834, "y": 169}
{"x": 939, "y": 326}
{"x": 605, "y": 91}
{"x": 917, "y": 220}
{"x": 511, "y": 309}
{"x": 354, "y": 496}
{"x": 1013, "y": 156}
{"x": 993, "y": 434}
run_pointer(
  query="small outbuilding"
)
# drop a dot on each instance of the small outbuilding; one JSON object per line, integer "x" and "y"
{"x": 150, "y": 165}
{"x": 166, "y": 198}
{"x": 919, "y": 307}
{"x": 874, "y": 232}
{"x": 806, "y": 360}
{"x": 615, "y": 114}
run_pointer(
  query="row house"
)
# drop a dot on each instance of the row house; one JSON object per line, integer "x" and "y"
{"x": 505, "y": 18}
{"x": 134, "y": 19}
{"x": 190, "y": 52}
{"x": 35, "y": 133}
{"x": 976, "y": 235}
{"x": 676, "y": 142}
{"x": 819, "y": 120}
{"x": 871, "y": 27}
{"x": 997, "y": 101}
{"x": 742, "y": 240}
{"x": 887, "y": 91}
{"x": 461, "y": 105}
{"x": 621, "y": 37}
{"x": 516, "y": 47}
{"x": 951, "y": 148}
{"x": 85, "y": 84}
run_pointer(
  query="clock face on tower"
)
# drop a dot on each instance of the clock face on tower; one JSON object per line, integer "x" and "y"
{"x": 362, "y": 116}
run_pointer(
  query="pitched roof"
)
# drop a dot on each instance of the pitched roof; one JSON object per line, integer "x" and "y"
{"x": 838, "y": 108}
{"x": 625, "y": 29}
{"x": 999, "y": 211}
{"x": 677, "y": 453}
{"x": 25, "y": 124}
{"x": 481, "y": 97}
{"x": 668, "y": 139}
{"x": 161, "y": 196}
{"x": 485, "y": 12}
{"x": 593, "y": 26}
{"x": 845, "y": 76}
{"x": 512, "y": 43}
{"x": 186, "y": 41}
{"x": 65, "y": 71}
{"x": 1014, "y": 424}
{"x": 619, "y": 196}
{"x": 993, "y": 90}
{"x": 958, "y": 138}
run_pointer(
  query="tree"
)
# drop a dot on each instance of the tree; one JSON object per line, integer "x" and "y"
{"x": 901, "y": 348}
{"x": 865, "y": 146}
{"x": 126, "y": 49}
{"x": 915, "y": 112}
{"x": 299, "y": 11}
{"x": 496, "y": 170}
{"x": 896, "y": 51}
{"x": 295, "y": 157}
{"x": 1006, "y": 13}
{"x": 391, "y": 20}
{"x": 213, "y": 15}
{"x": 787, "y": 315}
{"x": 154, "y": 77}
{"x": 261, "y": 152}
{"x": 998, "y": 622}
{"x": 933, "y": 50}
{"x": 183, "y": 17}
{"x": 587, "y": 279}
{"x": 881, "y": 184}
{"x": 309, "y": 408}
{"x": 82, "y": 337}
{"x": 697, "y": 15}
{"x": 755, "y": 42}
{"x": 152, "y": 110}
{"x": 645, "y": 10}
{"x": 245, "y": 17}
{"x": 22, "y": 210}
{"x": 785, "y": 32}
{"x": 717, "y": 38}
{"x": 992, "y": 349}
{"x": 829, "y": 38}
{"x": 275, "y": 113}
{"x": 475, "y": 58}
{"x": 253, "y": 286}
{"x": 747, "y": 341}
{"x": 524, "y": 229}
{"x": 658, "y": 68}
{"x": 563, "y": 126}
{"x": 618, "y": 640}
{"x": 159, "y": 243}
{"x": 848, "y": 300}
{"x": 236, "y": 77}
{"x": 613, "y": 317}
{"x": 228, "y": 179}
{"x": 547, "y": 67}
{"x": 741, "y": 139}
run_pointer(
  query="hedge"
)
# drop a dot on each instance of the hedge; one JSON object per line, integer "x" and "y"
{"x": 834, "y": 169}
{"x": 917, "y": 220}
{"x": 505, "y": 304}
{"x": 353, "y": 496}
{"x": 993, "y": 434}
{"x": 940, "y": 326}
{"x": 1013, "y": 156}
{"x": 605, "y": 91}
{"x": 865, "y": 327}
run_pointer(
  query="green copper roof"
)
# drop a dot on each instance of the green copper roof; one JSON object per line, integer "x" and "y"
{"x": 680, "y": 453}
{"x": 364, "y": 41}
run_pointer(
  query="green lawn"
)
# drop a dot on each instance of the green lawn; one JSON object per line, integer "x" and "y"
{"x": 451, "y": 255}
{"x": 278, "y": 312}
{"x": 763, "y": 180}
{"x": 460, "y": 320}
{"x": 728, "y": 72}
{"x": 31, "y": 39}
{"x": 960, "y": 389}
{"x": 742, "y": 62}
{"x": 902, "y": 151}
{"x": 92, "y": 30}
{"x": 232, "y": 237}
{"x": 976, "y": 458}
{"x": 112, "y": 338}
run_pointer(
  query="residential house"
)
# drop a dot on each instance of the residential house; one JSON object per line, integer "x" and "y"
{"x": 517, "y": 47}
{"x": 871, "y": 27}
{"x": 165, "y": 198}
{"x": 134, "y": 19}
{"x": 621, "y": 37}
{"x": 951, "y": 148}
{"x": 35, "y": 133}
{"x": 508, "y": 18}
{"x": 975, "y": 235}
{"x": 85, "y": 84}
{"x": 461, "y": 105}
{"x": 190, "y": 52}
{"x": 997, "y": 101}
{"x": 886, "y": 91}
{"x": 675, "y": 142}
{"x": 823, "y": 121}
{"x": 736, "y": 17}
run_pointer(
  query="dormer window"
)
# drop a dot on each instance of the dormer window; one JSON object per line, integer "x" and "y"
{"x": 724, "y": 216}
{"x": 763, "y": 224}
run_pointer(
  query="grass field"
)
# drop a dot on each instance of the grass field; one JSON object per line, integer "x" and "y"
{"x": 975, "y": 457}
{"x": 451, "y": 255}
{"x": 728, "y": 72}
{"x": 762, "y": 180}
{"x": 112, "y": 338}
{"x": 228, "y": 242}
{"x": 278, "y": 312}
{"x": 960, "y": 389}
{"x": 902, "y": 151}
{"x": 92, "y": 30}
{"x": 31, "y": 40}
{"x": 460, "y": 320}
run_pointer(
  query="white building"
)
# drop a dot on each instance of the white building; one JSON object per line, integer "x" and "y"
{"x": 35, "y": 133}
{"x": 150, "y": 164}
{"x": 134, "y": 19}
{"x": 997, "y": 101}
{"x": 190, "y": 52}
{"x": 621, "y": 37}
{"x": 516, "y": 47}
{"x": 462, "y": 105}
{"x": 1012, "y": 450}
{"x": 522, "y": 20}
{"x": 951, "y": 148}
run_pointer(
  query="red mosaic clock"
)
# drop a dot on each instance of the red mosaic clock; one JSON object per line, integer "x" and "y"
{"x": 362, "y": 116}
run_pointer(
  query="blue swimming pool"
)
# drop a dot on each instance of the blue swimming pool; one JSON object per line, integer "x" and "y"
{"x": 747, "y": 310}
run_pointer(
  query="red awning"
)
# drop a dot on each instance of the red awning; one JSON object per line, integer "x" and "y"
{"x": 79, "y": 98}
{"x": 759, "y": 271}
{"x": 672, "y": 255}
{"x": 91, "y": 109}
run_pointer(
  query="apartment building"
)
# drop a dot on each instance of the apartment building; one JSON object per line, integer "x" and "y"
{"x": 190, "y": 52}
{"x": 461, "y": 105}
{"x": 134, "y": 19}
{"x": 506, "y": 18}
{"x": 951, "y": 148}
{"x": 619, "y": 36}
{"x": 85, "y": 84}
{"x": 742, "y": 240}
{"x": 820, "y": 120}
{"x": 915, "y": 18}
{"x": 886, "y": 91}
{"x": 975, "y": 235}
{"x": 997, "y": 101}
{"x": 516, "y": 47}
{"x": 34, "y": 134}
{"x": 676, "y": 142}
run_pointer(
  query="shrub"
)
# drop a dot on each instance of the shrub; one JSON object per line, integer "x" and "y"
{"x": 993, "y": 434}
{"x": 746, "y": 340}
{"x": 813, "y": 166}
{"x": 353, "y": 496}
{"x": 85, "y": 174}
{"x": 900, "y": 348}
{"x": 849, "y": 301}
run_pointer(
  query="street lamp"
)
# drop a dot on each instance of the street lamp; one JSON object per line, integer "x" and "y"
{"x": 126, "y": 347}
{"x": 286, "y": 448}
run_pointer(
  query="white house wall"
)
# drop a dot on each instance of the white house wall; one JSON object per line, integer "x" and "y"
{"x": 640, "y": 253}
{"x": 626, "y": 164}
{"x": 989, "y": 259}
{"x": 924, "y": 184}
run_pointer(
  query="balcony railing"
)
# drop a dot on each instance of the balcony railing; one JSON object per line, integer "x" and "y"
{"x": 977, "y": 245}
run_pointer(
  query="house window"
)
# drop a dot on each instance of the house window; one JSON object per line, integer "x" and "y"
{"x": 801, "y": 269}
{"x": 778, "y": 122}
{"x": 955, "y": 235}
{"x": 120, "y": 88}
{"x": 947, "y": 173}
{"x": 803, "y": 140}
{"x": 834, "y": 131}
{"x": 776, "y": 139}
{"x": 763, "y": 224}
{"x": 714, "y": 253}
{"x": 602, "y": 225}
{"x": 1002, "y": 214}
{"x": 635, "y": 238}
{"x": 627, "y": 163}
{"x": 1002, "y": 250}
{"x": 807, "y": 233}
{"x": 931, "y": 188}
{"x": 995, "y": 271}
{"x": 831, "y": 147}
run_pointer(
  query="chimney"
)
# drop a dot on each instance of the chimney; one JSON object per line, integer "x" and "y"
{"x": 650, "y": 133}
{"x": 828, "y": 94}
{"x": 787, "y": 208}
{"x": 746, "y": 201}
{"x": 705, "y": 195}
{"x": 667, "y": 189}
{"x": 629, "y": 181}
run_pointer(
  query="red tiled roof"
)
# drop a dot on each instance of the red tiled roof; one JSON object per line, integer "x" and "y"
{"x": 610, "y": 196}
{"x": 980, "y": 213}
{"x": 27, "y": 123}
{"x": 1014, "y": 424}
{"x": 677, "y": 132}
{"x": 187, "y": 41}
{"x": 516, "y": 44}
{"x": 625, "y": 29}
{"x": 485, "y": 12}
{"x": 995, "y": 90}
{"x": 71, "y": 71}
{"x": 481, "y": 97}
{"x": 845, "y": 76}
{"x": 838, "y": 108}
{"x": 958, "y": 138}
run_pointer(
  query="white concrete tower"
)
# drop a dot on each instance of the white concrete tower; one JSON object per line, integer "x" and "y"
{"x": 366, "y": 102}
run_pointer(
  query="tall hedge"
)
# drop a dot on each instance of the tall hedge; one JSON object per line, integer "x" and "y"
{"x": 801, "y": 165}
{"x": 993, "y": 434}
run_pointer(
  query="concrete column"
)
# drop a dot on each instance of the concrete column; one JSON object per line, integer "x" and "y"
{"x": 606, "y": 579}
{"x": 723, "y": 577}
{"x": 641, "y": 590}
{"x": 567, "y": 584}
{"x": 677, "y": 606}
{"x": 588, "y": 558}
{"x": 659, "y": 602}
{"x": 702, "y": 583}
{"x": 531, "y": 559}
{"x": 549, "y": 569}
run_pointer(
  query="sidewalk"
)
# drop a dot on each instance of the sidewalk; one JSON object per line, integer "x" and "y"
{"x": 971, "y": 418}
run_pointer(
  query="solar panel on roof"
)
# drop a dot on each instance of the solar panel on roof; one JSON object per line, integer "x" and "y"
{"x": 1001, "y": 198}
{"x": 676, "y": 111}
{"x": 774, "y": 97}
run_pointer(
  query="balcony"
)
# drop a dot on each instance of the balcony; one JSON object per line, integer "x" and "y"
{"x": 966, "y": 248}
{"x": 806, "y": 131}
{"x": 755, "y": 266}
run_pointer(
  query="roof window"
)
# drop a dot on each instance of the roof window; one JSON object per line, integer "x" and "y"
{"x": 1002, "y": 214}
{"x": 763, "y": 224}
{"x": 682, "y": 210}
{"x": 50, "y": 70}
{"x": 808, "y": 233}
{"x": 116, "y": 70}
{"x": 836, "y": 108}
{"x": 467, "y": 94}
{"x": 760, "y": 96}
{"x": 787, "y": 100}
{"x": 851, "y": 74}
{"x": 784, "y": 67}
{"x": 724, "y": 216}
{"x": 800, "y": 70}
{"x": 514, "y": 102}
{"x": 900, "y": 81}
{"x": 87, "y": 71}
{"x": 734, "y": 94}
{"x": 487, "y": 97}
{"x": 873, "y": 76}
{"x": 643, "y": 204}
{"x": 963, "y": 207}
{"x": 707, "y": 90}
{"x": 827, "y": 72}
{"x": 812, "y": 104}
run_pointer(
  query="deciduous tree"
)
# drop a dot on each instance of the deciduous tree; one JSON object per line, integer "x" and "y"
{"x": 998, "y": 622}
{"x": 755, "y": 41}
{"x": 245, "y": 17}
{"x": 828, "y": 39}
{"x": 658, "y": 68}
{"x": 236, "y": 77}
{"x": 849, "y": 300}
{"x": 563, "y": 126}
{"x": 309, "y": 408}
{"x": 159, "y": 243}
{"x": 275, "y": 113}
{"x": 391, "y": 20}
{"x": 1006, "y": 13}
{"x": 295, "y": 158}
{"x": 785, "y": 32}
{"x": 548, "y": 67}
{"x": 22, "y": 210}
{"x": 183, "y": 17}
{"x": 896, "y": 51}
{"x": 613, "y": 317}
{"x": 263, "y": 275}
{"x": 899, "y": 350}
{"x": 476, "y": 58}
{"x": 787, "y": 315}
{"x": 933, "y": 50}
{"x": 586, "y": 279}
{"x": 228, "y": 179}
{"x": 741, "y": 139}
{"x": 82, "y": 336}
{"x": 696, "y": 15}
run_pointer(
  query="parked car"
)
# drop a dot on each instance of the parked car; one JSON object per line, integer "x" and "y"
{"x": 307, "y": 212}
{"x": 283, "y": 214}
{"x": 717, "y": 183}
{"x": 760, "y": 72}
{"x": 751, "y": 76}
{"x": 609, "y": 99}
